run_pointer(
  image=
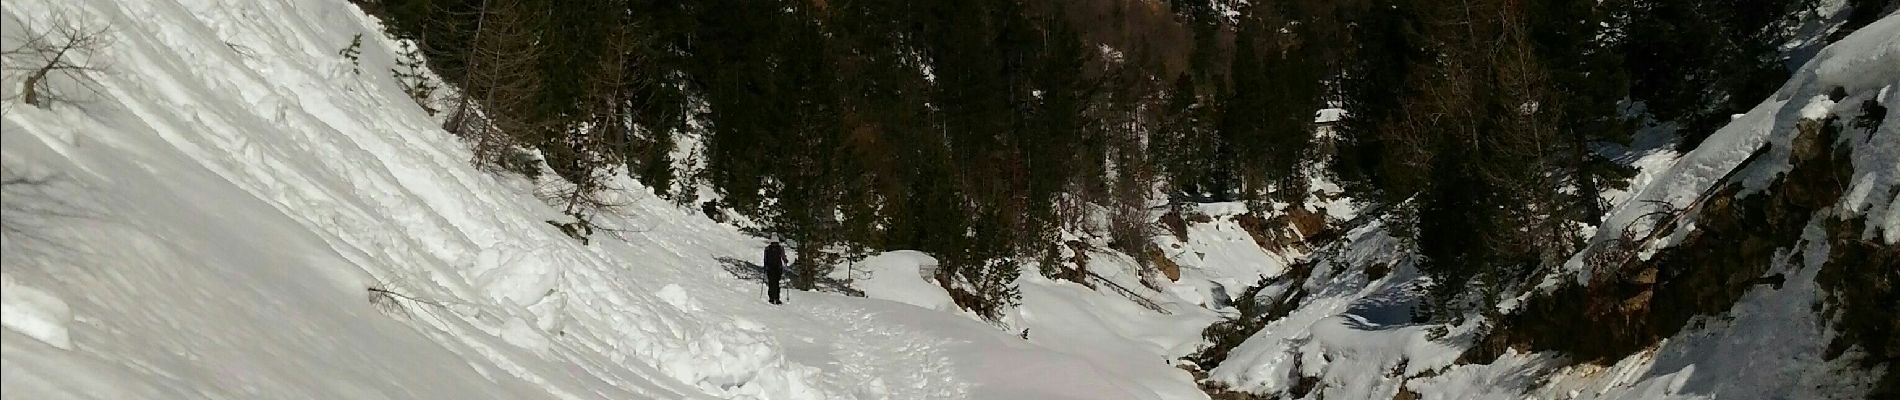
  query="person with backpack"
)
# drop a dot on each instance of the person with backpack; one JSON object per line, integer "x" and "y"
{"x": 774, "y": 269}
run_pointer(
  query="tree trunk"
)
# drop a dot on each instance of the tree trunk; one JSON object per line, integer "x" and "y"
{"x": 1586, "y": 180}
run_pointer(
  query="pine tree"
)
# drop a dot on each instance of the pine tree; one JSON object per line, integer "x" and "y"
{"x": 353, "y": 53}
{"x": 411, "y": 75}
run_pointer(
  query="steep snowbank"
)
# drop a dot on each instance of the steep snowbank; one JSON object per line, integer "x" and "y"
{"x": 900, "y": 276}
{"x": 207, "y": 223}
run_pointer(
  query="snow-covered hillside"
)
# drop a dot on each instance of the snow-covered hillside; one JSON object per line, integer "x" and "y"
{"x": 209, "y": 217}
{"x": 1781, "y": 338}
{"x": 230, "y": 208}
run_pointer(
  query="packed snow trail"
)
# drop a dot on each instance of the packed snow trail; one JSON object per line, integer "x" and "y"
{"x": 207, "y": 219}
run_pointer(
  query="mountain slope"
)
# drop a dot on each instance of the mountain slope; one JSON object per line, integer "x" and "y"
{"x": 1760, "y": 265}
{"x": 209, "y": 219}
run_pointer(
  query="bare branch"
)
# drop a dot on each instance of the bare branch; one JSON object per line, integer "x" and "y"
{"x": 67, "y": 49}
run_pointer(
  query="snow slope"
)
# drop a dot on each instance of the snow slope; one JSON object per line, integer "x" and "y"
{"x": 208, "y": 220}
{"x": 1341, "y": 342}
{"x": 1866, "y": 65}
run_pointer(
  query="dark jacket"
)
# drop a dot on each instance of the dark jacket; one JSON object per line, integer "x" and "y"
{"x": 774, "y": 259}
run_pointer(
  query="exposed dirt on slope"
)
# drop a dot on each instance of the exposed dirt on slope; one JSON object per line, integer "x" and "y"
{"x": 1733, "y": 244}
{"x": 1291, "y": 230}
{"x": 1859, "y": 278}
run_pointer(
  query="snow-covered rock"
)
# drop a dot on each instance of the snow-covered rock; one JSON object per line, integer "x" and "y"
{"x": 899, "y": 276}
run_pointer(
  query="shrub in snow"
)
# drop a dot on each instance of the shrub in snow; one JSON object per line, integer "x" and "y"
{"x": 412, "y": 75}
{"x": 388, "y": 302}
{"x": 521, "y": 161}
{"x": 986, "y": 288}
{"x": 354, "y": 53}
{"x": 579, "y": 229}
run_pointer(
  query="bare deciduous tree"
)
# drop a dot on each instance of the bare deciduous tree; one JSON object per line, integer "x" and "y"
{"x": 67, "y": 49}
{"x": 499, "y": 86}
{"x": 587, "y": 152}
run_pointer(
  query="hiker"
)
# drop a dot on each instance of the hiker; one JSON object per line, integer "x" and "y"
{"x": 774, "y": 268}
